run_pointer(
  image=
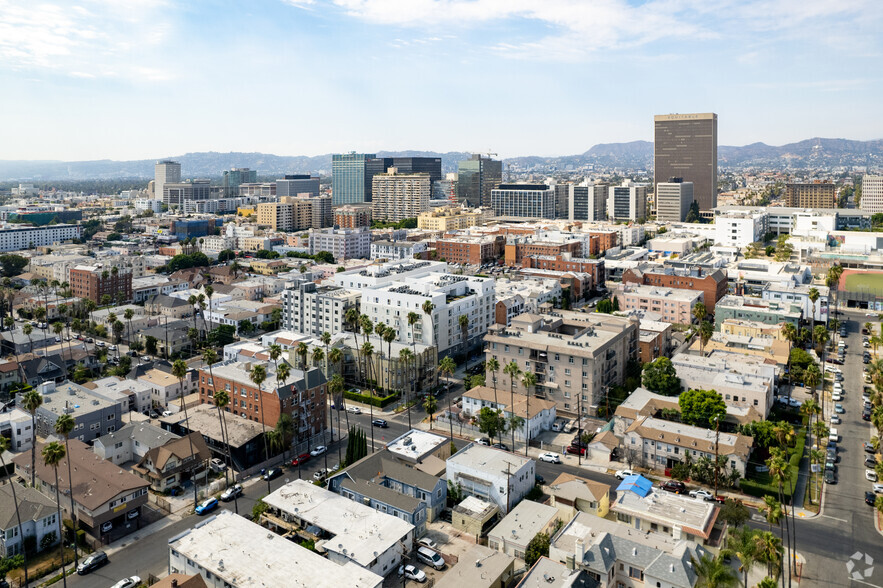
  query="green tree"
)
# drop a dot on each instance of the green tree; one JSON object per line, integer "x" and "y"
{"x": 430, "y": 405}
{"x": 700, "y": 311}
{"x": 513, "y": 371}
{"x": 53, "y": 453}
{"x": 705, "y": 331}
{"x": 5, "y": 445}
{"x": 257, "y": 375}
{"x": 64, "y": 426}
{"x": 446, "y": 367}
{"x": 734, "y": 513}
{"x": 31, "y": 401}
{"x": 741, "y": 543}
{"x": 660, "y": 376}
{"x": 150, "y": 345}
{"x": 491, "y": 422}
{"x": 537, "y": 548}
{"x": 701, "y": 407}
{"x": 179, "y": 370}
{"x": 712, "y": 572}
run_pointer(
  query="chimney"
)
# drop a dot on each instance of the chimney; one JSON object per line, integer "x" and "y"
{"x": 579, "y": 553}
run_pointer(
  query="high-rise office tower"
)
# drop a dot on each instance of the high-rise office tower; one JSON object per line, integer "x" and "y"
{"x": 476, "y": 177}
{"x": 524, "y": 200}
{"x": 297, "y": 184}
{"x": 177, "y": 193}
{"x": 588, "y": 202}
{"x": 685, "y": 146}
{"x": 351, "y": 176}
{"x": 872, "y": 194}
{"x": 416, "y": 165}
{"x": 399, "y": 196}
{"x": 627, "y": 202}
{"x": 165, "y": 172}
{"x": 236, "y": 176}
{"x": 673, "y": 200}
{"x": 811, "y": 195}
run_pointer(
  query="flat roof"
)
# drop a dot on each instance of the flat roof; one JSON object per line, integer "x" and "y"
{"x": 492, "y": 460}
{"x": 415, "y": 444}
{"x": 693, "y": 515}
{"x": 204, "y": 419}
{"x": 74, "y": 400}
{"x": 524, "y": 521}
{"x": 245, "y": 554}
{"x": 360, "y": 532}
{"x": 480, "y": 566}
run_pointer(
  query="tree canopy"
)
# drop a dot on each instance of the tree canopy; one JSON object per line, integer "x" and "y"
{"x": 701, "y": 407}
{"x": 660, "y": 377}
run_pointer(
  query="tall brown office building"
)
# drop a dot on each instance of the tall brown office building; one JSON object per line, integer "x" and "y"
{"x": 685, "y": 146}
{"x": 817, "y": 194}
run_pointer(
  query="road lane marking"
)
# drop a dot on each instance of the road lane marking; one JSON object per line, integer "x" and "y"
{"x": 835, "y": 518}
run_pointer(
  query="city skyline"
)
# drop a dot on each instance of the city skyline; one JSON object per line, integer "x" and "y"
{"x": 105, "y": 79}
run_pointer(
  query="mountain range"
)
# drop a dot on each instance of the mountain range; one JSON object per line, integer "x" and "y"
{"x": 636, "y": 155}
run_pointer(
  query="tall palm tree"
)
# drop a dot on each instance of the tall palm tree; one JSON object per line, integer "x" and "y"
{"x": 335, "y": 356}
{"x": 257, "y": 375}
{"x": 463, "y": 322}
{"x": 5, "y": 444}
{"x": 179, "y": 370}
{"x": 700, "y": 311}
{"x": 367, "y": 327}
{"x": 353, "y": 319}
{"x": 285, "y": 430}
{"x": 128, "y": 314}
{"x": 317, "y": 356}
{"x": 31, "y": 401}
{"x": 430, "y": 405}
{"x": 325, "y": 338}
{"x": 63, "y": 427}
{"x": 413, "y": 319}
{"x": 53, "y": 453}
{"x": 712, "y": 572}
{"x": 493, "y": 366}
{"x": 768, "y": 550}
{"x": 778, "y": 470}
{"x": 513, "y": 371}
{"x": 742, "y": 544}
{"x": 27, "y": 330}
{"x": 335, "y": 388}
{"x": 428, "y": 307}
{"x": 367, "y": 352}
{"x": 529, "y": 380}
{"x": 705, "y": 331}
{"x": 302, "y": 351}
{"x": 447, "y": 367}
{"x": 283, "y": 372}
{"x": 405, "y": 357}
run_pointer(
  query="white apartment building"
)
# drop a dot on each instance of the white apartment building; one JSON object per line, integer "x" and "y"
{"x": 740, "y": 228}
{"x": 872, "y": 194}
{"x": 341, "y": 243}
{"x": 18, "y": 238}
{"x": 627, "y": 202}
{"x": 673, "y": 200}
{"x": 398, "y": 196}
{"x": 742, "y": 380}
{"x": 791, "y": 293}
{"x": 15, "y": 425}
{"x": 396, "y": 250}
{"x": 312, "y": 310}
{"x": 392, "y": 290}
{"x": 154, "y": 204}
{"x": 493, "y": 475}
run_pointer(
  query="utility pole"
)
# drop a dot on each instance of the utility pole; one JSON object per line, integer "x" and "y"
{"x": 508, "y": 485}
{"x": 716, "y": 439}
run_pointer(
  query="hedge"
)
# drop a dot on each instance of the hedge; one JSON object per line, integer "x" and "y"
{"x": 765, "y": 485}
{"x": 374, "y": 400}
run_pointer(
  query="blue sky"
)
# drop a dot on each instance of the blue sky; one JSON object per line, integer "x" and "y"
{"x": 125, "y": 79}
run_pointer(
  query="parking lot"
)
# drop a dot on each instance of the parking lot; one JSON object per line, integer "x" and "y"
{"x": 452, "y": 544}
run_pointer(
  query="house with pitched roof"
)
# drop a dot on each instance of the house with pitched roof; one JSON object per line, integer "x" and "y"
{"x": 39, "y": 518}
{"x": 174, "y": 462}
{"x": 572, "y": 494}
{"x": 131, "y": 442}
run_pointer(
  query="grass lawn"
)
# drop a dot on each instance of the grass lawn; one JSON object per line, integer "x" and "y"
{"x": 813, "y": 490}
{"x": 859, "y": 282}
{"x": 43, "y": 564}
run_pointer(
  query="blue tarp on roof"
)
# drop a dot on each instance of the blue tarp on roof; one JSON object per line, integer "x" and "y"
{"x": 636, "y": 483}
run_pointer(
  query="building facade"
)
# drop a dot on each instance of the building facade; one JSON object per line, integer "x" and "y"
{"x": 872, "y": 194}
{"x": 685, "y": 146}
{"x": 21, "y": 238}
{"x": 673, "y": 200}
{"x": 476, "y": 177}
{"x": 713, "y": 284}
{"x": 352, "y": 175}
{"x": 397, "y": 196}
{"x": 817, "y": 194}
{"x": 588, "y": 203}
{"x": 524, "y": 200}
{"x": 94, "y": 282}
{"x": 448, "y": 218}
{"x": 313, "y": 310}
{"x": 342, "y": 243}
{"x": 165, "y": 172}
{"x": 627, "y": 202}
{"x": 352, "y": 217}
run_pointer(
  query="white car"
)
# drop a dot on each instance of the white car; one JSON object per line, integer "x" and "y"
{"x": 354, "y": 410}
{"x": 836, "y": 397}
{"x": 703, "y": 494}
{"x": 871, "y": 475}
{"x": 427, "y": 542}
{"x": 412, "y": 573}
{"x": 620, "y": 474}
{"x": 319, "y": 450}
{"x": 878, "y": 488}
{"x": 835, "y": 420}
{"x": 129, "y": 582}
{"x": 550, "y": 458}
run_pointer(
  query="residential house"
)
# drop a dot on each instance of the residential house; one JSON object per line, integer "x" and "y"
{"x": 176, "y": 461}
{"x": 131, "y": 442}
{"x": 166, "y": 388}
{"x": 571, "y": 494}
{"x": 538, "y": 415}
{"x": 527, "y": 520}
{"x": 93, "y": 416}
{"x": 475, "y": 517}
{"x": 480, "y": 567}
{"x": 38, "y": 514}
{"x": 16, "y": 425}
{"x": 492, "y": 475}
{"x": 167, "y": 306}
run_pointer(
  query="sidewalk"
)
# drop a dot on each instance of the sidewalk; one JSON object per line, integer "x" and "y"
{"x": 141, "y": 534}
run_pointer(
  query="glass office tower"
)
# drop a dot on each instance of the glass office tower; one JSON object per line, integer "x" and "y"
{"x": 352, "y": 175}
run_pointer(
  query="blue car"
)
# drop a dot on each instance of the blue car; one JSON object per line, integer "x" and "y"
{"x": 207, "y": 506}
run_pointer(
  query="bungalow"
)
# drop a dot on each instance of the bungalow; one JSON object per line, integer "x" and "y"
{"x": 174, "y": 462}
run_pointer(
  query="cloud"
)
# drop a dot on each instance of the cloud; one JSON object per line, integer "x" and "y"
{"x": 97, "y": 38}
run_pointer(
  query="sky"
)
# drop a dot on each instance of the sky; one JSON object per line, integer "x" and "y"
{"x": 143, "y": 79}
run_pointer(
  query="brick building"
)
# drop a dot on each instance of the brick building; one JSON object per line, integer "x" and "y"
{"x": 654, "y": 340}
{"x": 302, "y": 395}
{"x": 469, "y": 249}
{"x": 562, "y": 263}
{"x": 601, "y": 241}
{"x": 94, "y": 281}
{"x": 352, "y": 217}
{"x": 516, "y": 251}
{"x": 713, "y": 285}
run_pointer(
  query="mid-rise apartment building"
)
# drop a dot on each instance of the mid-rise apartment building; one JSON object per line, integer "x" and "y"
{"x": 627, "y": 202}
{"x": 872, "y": 194}
{"x": 576, "y": 356}
{"x": 469, "y": 249}
{"x": 449, "y": 218}
{"x": 588, "y": 203}
{"x": 397, "y": 196}
{"x": 673, "y": 305}
{"x": 313, "y": 310}
{"x": 174, "y": 194}
{"x": 352, "y": 217}
{"x": 342, "y": 243}
{"x": 14, "y": 238}
{"x": 95, "y": 281}
{"x": 524, "y": 200}
{"x": 397, "y": 250}
{"x": 818, "y": 194}
{"x": 673, "y": 200}
{"x": 713, "y": 284}
{"x": 770, "y": 312}
{"x": 740, "y": 228}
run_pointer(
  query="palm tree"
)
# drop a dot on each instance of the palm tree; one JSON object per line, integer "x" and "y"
{"x": 529, "y": 380}
{"x": 742, "y": 544}
{"x": 405, "y": 357}
{"x": 335, "y": 387}
{"x": 815, "y": 456}
{"x": 317, "y": 356}
{"x": 769, "y": 551}
{"x": 283, "y": 372}
{"x": 128, "y": 314}
{"x": 389, "y": 335}
{"x": 5, "y": 444}
{"x": 493, "y": 366}
{"x": 779, "y": 470}
{"x": 705, "y": 331}
{"x": 712, "y": 572}
{"x": 31, "y": 401}
{"x": 222, "y": 400}
{"x": 513, "y": 371}
{"x": 463, "y": 322}
{"x": 179, "y": 370}
{"x": 428, "y": 307}
{"x": 367, "y": 351}
{"x": 335, "y": 356}
{"x": 27, "y": 330}
{"x": 447, "y": 367}
{"x": 53, "y": 453}
{"x": 325, "y": 338}
{"x": 352, "y": 318}
{"x": 367, "y": 327}
{"x": 302, "y": 350}
{"x": 700, "y": 312}
{"x": 413, "y": 319}
{"x": 257, "y": 375}
{"x": 285, "y": 430}
{"x": 430, "y": 405}
{"x": 64, "y": 425}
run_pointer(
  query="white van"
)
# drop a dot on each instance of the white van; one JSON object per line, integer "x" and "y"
{"x": 430, "y": 558}
{"x": 833, "y": 436}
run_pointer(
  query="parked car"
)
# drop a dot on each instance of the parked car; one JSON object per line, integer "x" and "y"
{"x": 217, "y": 465}
{"x": 870, "y": 461}
{"x": 573, "y": 450}
{"x": 836, "y": 396}
{"x": 232, "y": 492}
{"x": 354, "y": 410}
{"x": 703, "y": 494}
{"x": 412, "y": 573}
{"x": 868, "y": 447}
{"x": 866, "y": 415}
{"x": 483, "y": 441}
{"x": 871, "y": 475}
{"x": 878, "y": 488}
{"x": 427, "y": 542}
{"x": 320, "y": 475}
{"x": 208, "y": 505}
{"x": 92, "y": 562}
{"x": 273, "y": 473}
{"x": 674, "y": 486}
{"x": 129, "y": 582}
{"x": 830, "y": 477}
{"x": 502, "y": 446}
{"x": 301, "y": 459}
{"x": 838, "y": 408}
{"x": 430, "y": 558}
{"x": 835, "y": 420}
{"x": 550, "y": 457}
{"x": 621, "y": 474}
{"x": 870, "y": 498}
{"x": 318, "y": 450}
{"x": 380, "y": 423}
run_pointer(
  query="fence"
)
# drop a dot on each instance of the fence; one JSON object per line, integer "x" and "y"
{"x": 463, "y": 428}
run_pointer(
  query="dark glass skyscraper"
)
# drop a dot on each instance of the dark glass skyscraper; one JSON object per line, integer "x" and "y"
{"x": 352, "y": 175}
{"x": 685, "y": 146}
{"x": 477, "y": 176}
{"x": 416, "y": 165}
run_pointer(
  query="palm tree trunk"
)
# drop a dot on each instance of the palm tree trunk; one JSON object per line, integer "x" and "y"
{"x": 189, "y": 439}
{"x": 58, "y": 506}
{"x": 512, "y": 406}
{"x": 264, "y": 432}
{"x": 73, "y": 512}
{"x": 371, "y": 404}
{"x": 18, "y": 519}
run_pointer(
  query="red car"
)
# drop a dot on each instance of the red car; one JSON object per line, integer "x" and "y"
{"x": 576, "y": 450}
{"x": 300, "y": 459}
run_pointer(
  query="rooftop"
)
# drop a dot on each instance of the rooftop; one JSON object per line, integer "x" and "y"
{"x": 245, "y": 554}
{"x": 475, "y": 507}
{"x": 75, "y": 400}
{"x": 537, "y": 405}
{"x": 32, "y": 505}
{"x": 690, "y": 437}
{"x": 660, "y": 292}
{"x": 415, "y": 444}
{"x": 145, "y": 433}
{"x": 547, "y": 573}
{"x": 480, "y": 457}
{"x": 360, "y": 532}
{"x": 204, "y": 418}
{"x": 477, "y": 568}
